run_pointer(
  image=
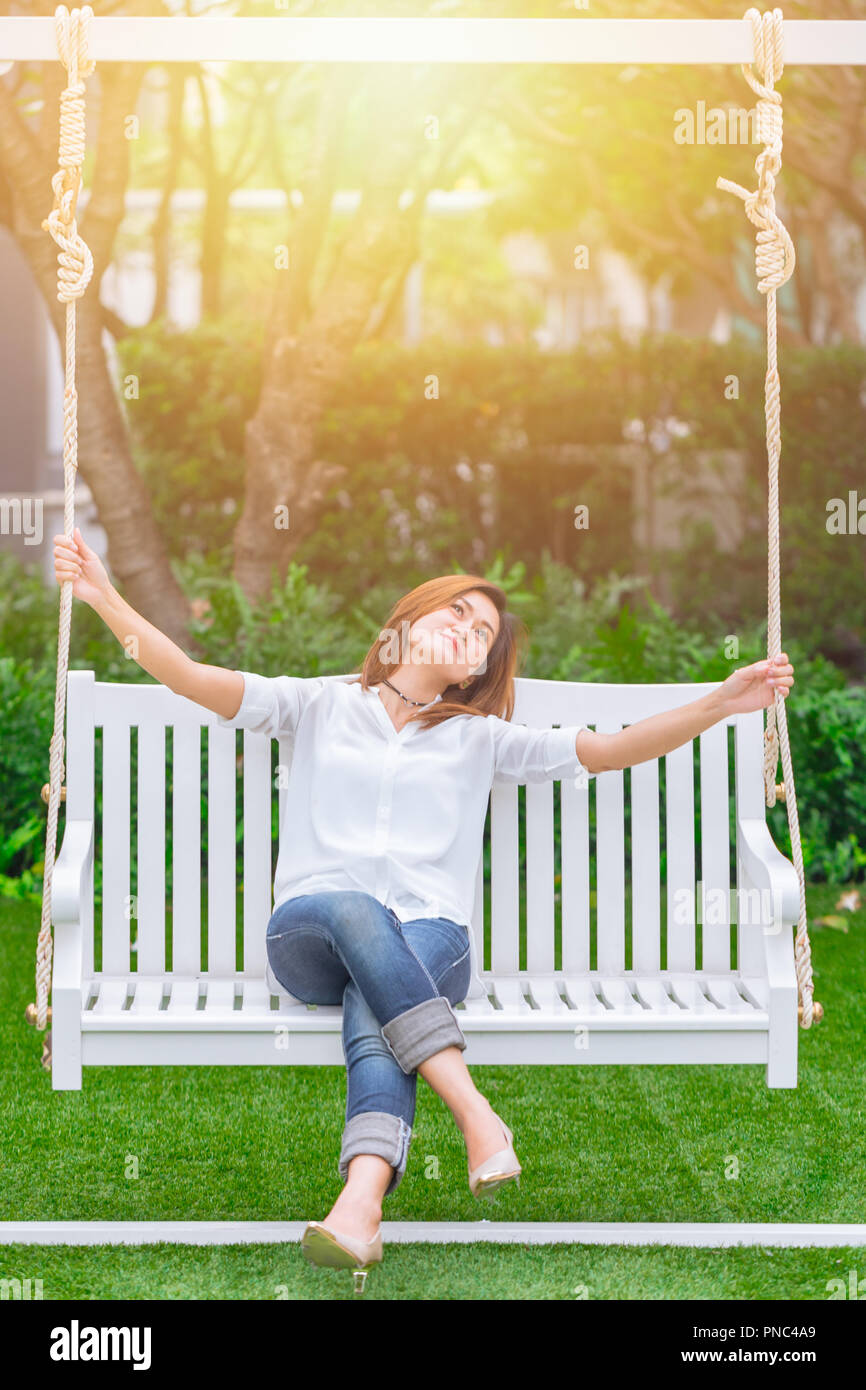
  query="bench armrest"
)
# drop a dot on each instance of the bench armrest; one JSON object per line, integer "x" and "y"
{"x": 769, "y": 870}
{"x": 72, "y": 916}
{"x": 70, "y": 884}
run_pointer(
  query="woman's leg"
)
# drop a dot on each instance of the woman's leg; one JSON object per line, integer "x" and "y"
{"x": 304, "y": 960}
{"x": 447, "y": 1073}
{"x": 352, "y": 944}
{"x": 380, "y": 1109}
{"x": 378, "y": 1089}
{"x": 380, "y": 1097}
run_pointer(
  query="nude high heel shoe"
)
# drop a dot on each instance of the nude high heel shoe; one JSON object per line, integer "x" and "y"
{"x": 498, "y": 1169}
{"x": 323, "y": 1247}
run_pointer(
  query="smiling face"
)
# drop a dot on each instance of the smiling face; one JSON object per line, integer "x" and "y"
{"x": 455, "y": 640}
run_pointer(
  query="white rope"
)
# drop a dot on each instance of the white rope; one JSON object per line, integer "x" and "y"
{"x": 75, "y": 267}
{"x": 774, "y": 264}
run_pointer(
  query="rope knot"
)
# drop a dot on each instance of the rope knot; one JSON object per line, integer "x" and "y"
{"x": 774, "y": 251}
{"x": 75, "y": 262}
{"x": 74, "y": 259}
{"x": 71, "y": 32}
{"x": 768, "y": 126}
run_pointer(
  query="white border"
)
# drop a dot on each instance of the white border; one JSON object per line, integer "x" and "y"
{"x": 204, "y": 38}
{"x": 712, "y": 1235}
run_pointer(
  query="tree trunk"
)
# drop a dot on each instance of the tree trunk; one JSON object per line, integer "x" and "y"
{"x": 136, "y": 551}
{"x": 137, "y": 556}
{"x": 300, "y": 371}
{"x": 213, "y": 244}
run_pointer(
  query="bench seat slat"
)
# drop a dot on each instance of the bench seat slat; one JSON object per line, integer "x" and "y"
{"x": 618, "y": 994}
{"x": 184, "y": 996}
{"x": 111, "y": 997}
{"x": 509, "y": 993}
{"x": 545, "y": 995}
{"x": 687, "y": 990}
{"x": 582, "y": 996}
{"x": 652, "y": 991}
{"x": 256, "y": 997}
{"x": 148, "y": 996}
{"x": 724, "y": 991}
{"x": 756, "y": 989}
{"x": 220, "y": 997}
{"x": 476, "y": 1006}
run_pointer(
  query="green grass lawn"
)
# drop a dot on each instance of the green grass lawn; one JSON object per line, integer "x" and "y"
{"x": 596, "y": 1144}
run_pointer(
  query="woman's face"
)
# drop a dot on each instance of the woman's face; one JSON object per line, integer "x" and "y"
{"x": 456, "y": 639}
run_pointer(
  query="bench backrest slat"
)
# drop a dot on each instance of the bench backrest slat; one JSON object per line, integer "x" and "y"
{"x": 116, "y": 892}
{"x": 504, "y": 878}
{"x": 714, "y": 904}
{"x": 680, "y": 857}
{"x": 476, "y": 926}
{"x": 610, "y": 873}
{"x": 151, "y": 848}
{"x": 645, "y": 867}
{"x": 222, "y": 850}
{"x": 186, "y": 850}
{"x": 574, "y": 803}
{"x": 540, "y": 924}
{"x": 258, "y": 875}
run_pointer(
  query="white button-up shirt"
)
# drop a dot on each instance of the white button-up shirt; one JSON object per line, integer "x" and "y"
{"x": 396, "y": 814}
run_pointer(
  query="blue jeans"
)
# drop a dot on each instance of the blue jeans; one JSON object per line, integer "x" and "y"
{"x": 397, "y": 983}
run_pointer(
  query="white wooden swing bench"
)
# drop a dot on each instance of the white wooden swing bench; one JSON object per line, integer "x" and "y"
{"x": 581, "y": 1011}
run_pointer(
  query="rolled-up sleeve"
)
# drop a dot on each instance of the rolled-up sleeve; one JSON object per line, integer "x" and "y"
{"x": 522, "y": 754}
{"x": 272, "y": 704}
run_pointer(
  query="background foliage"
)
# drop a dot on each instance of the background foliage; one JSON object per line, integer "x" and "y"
{"x": 461, "y": 478}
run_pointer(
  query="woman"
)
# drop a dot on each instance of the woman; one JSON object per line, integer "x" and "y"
{"x": 374, "y": 887}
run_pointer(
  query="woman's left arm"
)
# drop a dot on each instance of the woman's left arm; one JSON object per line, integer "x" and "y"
{"x": 749, "y": 688}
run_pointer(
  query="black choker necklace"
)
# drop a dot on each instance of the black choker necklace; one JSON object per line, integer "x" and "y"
{"x": 403, "y": 697}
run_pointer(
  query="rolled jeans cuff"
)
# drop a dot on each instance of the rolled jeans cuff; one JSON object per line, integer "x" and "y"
{"x": 420, "y": 1032}
{"x": 375, "y": 1132}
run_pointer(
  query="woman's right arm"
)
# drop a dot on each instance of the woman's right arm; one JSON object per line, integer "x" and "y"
{"x": 214, "y": 687}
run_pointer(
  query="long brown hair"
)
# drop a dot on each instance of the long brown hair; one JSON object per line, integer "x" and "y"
{"x": 492, "y": 691}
